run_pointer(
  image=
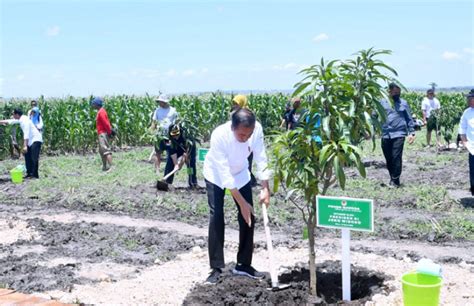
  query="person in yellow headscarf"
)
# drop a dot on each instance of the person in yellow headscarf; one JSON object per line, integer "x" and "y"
{"x": 238, "y": 102}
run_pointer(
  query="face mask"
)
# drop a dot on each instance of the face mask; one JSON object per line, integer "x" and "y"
{"x": 396, "y": 97}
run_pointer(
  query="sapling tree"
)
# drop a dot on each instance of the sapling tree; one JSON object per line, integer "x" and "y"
{"x": 341, "y": 109}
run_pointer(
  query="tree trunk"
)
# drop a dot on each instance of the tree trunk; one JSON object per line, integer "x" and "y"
{"x": 312, "y": 254}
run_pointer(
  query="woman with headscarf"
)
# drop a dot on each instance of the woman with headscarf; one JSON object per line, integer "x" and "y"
{"x": 35, "y": 116}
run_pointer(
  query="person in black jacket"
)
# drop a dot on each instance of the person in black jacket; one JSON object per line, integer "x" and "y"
{"x": 181, "y": 150}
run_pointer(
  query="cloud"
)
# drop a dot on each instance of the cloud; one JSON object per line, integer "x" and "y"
{"x": 448, "y": 55}
{"x": 204, "y": 70}
{"x": 52, "y": 31}
{"x": 320, "y": 37}
{"x": 289, "y": 66}
{"x": 20, "y": 77}
{"x": 189, "y": 72}
{"x": 468, "y": 50}
{"x": 171, "y": 73}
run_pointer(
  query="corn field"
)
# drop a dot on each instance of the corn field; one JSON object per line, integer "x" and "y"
{"x": 70, "y": 122}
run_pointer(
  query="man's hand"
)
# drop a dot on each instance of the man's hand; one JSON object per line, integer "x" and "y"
{"x": 411, "y": 139}
{"x": 247, "y": 211}
{"x": 245, "y": 208}
{"x": 25, "y": 149}
{"x": 264, "y": 197}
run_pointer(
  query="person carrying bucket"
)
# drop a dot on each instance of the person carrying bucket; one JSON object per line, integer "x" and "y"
{"x": 32, "y": 141}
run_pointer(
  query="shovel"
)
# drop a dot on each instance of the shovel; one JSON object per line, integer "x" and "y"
{"x": 162, "y": 184}
{"x": 273, "y": 272}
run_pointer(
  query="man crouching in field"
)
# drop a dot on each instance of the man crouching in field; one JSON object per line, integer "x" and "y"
{"x": 466, "y": 130}
{"x": 104, "y": 130}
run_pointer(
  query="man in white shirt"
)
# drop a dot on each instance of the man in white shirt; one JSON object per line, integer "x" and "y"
{"x": 466, "y": 131}
{"x": 429, "y": 104}
{"x": 164, "y": 116}
{"x": 226, "y": 167}
{"x": 32, "y": 141}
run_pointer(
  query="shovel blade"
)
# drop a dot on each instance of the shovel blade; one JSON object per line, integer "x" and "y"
{"x": 279, "y": 287}
{"x": 161, "y": 185}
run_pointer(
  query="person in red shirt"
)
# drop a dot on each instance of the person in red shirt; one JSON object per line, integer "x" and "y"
{"x": 104, "y": 130}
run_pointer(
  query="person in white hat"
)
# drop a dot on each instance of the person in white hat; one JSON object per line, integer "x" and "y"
{"x": 163, "y": 117}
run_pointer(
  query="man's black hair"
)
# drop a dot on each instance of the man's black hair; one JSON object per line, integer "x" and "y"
{"x": 393, "y": 85}
{"x": 243, "y": 117}
{"x": 18, "y": 111}
{"x": 430, "y": 91}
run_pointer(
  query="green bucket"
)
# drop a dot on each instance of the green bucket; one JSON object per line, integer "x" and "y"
{"x": 16, "y": 175}
{"x": 421, "y": 289}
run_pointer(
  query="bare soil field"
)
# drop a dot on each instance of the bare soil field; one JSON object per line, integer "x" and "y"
{"x": 81, "y": 236}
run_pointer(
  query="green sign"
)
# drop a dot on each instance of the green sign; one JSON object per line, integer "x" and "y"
{"x": 341, "y": 212}
{"x": 202, "y": 154}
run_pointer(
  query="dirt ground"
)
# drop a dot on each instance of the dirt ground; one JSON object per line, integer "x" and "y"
{"x": 102, "y": 254}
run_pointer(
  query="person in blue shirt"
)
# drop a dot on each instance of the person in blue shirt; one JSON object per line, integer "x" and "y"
{"x": 398, "y": 125}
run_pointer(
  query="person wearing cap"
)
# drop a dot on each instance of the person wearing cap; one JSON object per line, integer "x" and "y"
{"x": 181, "y": 150}
{"x": 397, "y": 126}
{"x": 104, "y": 131}
{"x": 466, "y": 132}
{"x": 429, "y": 104}
{"x": 32, "y": 141}
{"x": 226, "y": 167}
{"x": 163, "y": 117}
{"x": 294, "y": 114}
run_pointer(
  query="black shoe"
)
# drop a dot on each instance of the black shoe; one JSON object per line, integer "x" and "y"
{"x": 214, "y": 276}
{"x": 395, "y": 183}
{"x": 248, "y": 271}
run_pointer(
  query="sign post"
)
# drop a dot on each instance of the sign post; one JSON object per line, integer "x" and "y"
{"x": 346, "y": 214}
{"x": 202, "y": 154}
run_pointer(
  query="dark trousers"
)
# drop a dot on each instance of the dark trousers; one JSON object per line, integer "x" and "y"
{"x": 192, "y": 179}
{"x": 253, "y": 180}
{"x": 215, "y": 199}
{"x": 471, "y": 172}
{"x": 393, "y": 150}
{"x": 32, "y": 159}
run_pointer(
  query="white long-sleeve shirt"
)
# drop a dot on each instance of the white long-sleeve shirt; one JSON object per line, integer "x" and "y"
{"x": 226, "y": 163}
{"x": 466, "y": 125}
{"x": 30, "y": 132}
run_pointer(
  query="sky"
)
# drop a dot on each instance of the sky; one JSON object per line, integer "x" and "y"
{"x": 80, "y": 48}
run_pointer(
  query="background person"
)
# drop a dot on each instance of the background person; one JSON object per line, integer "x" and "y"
{"x": 429, "y": 104}
{"x": 181, "y": 150}
{"x": 398, "y": 125}
{"x": 35, "y": 116}
{"x": 32, "y": 141}
{"x": 226, "y": 167}
{"x": 163, "y": 117}
{"x": 466, "y": 132}
{"x": 238, "y": 102}
{"x": 104, "y": 131}
{"x": 295, "y": 114}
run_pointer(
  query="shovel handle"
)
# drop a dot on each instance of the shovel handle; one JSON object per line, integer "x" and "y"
{"x": 170, "y": 174}
{"x": 273, "y": 272}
